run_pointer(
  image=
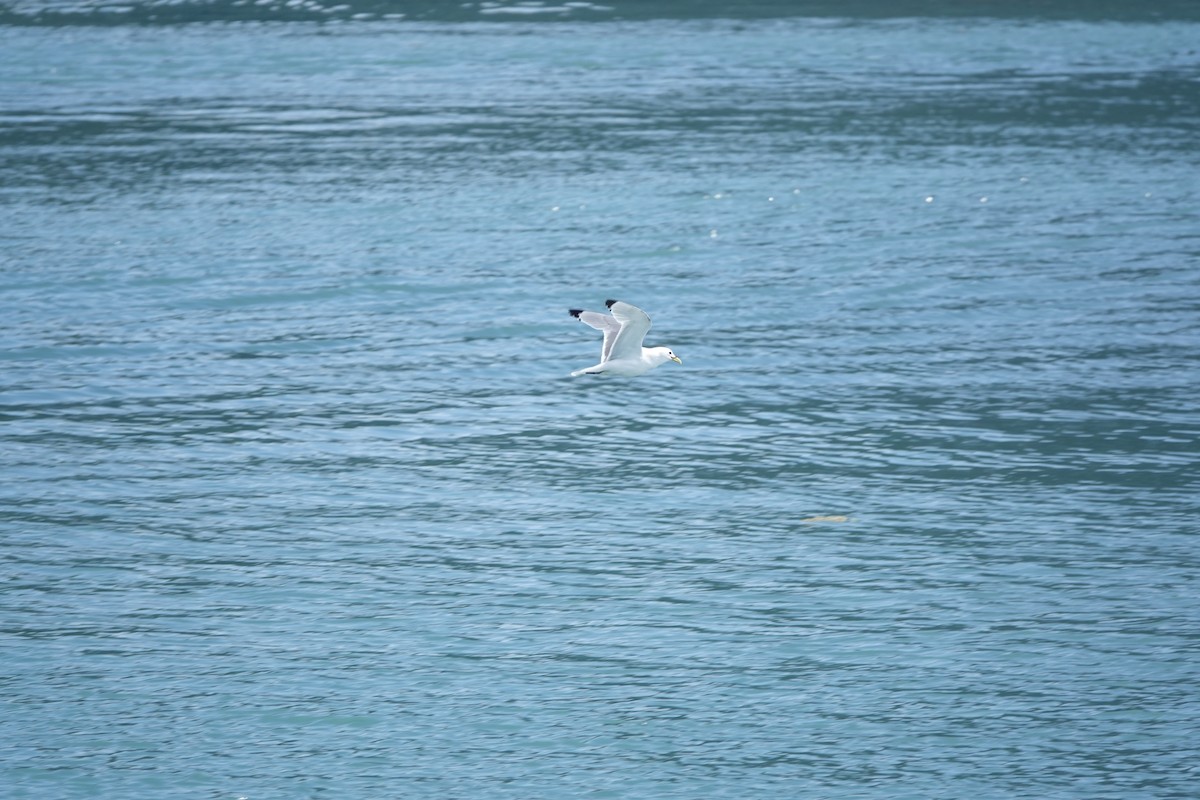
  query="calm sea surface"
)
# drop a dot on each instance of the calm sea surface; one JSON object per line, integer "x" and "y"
{"x": 297, "y": 499}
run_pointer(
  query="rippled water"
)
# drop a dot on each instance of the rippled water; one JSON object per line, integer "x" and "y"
{"x": 298, "y": 500}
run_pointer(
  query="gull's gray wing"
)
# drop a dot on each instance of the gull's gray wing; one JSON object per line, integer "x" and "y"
{"x": 601, "y": 322}
{"x": 634, "y": 324}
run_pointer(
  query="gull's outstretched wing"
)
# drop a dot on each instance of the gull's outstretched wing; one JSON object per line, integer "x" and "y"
{"x": 634, "y": 324}
{"x": 601, "y": 322}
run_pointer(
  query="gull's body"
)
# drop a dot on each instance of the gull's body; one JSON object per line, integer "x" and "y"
{"x": 622, "y": 352}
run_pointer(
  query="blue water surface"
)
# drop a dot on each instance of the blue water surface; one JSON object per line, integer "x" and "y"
{"x": 297, "y": 499}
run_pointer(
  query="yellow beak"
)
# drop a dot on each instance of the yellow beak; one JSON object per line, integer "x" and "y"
{"x": 676, "y": 359}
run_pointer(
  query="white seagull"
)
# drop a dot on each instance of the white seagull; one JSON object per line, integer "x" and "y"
{"x": 622, "y": 352}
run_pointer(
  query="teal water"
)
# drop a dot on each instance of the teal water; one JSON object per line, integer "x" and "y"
{"x": 297, "y": 498}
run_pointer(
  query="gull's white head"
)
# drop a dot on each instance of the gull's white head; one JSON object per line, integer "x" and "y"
{"x": 663, "y": 354}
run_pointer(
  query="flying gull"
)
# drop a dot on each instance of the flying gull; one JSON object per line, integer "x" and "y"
{"x": 622, "y": 352}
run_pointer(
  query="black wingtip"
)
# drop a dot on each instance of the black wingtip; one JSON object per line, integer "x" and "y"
{"x": 575, "y": 312}
{"x": 609, "y": 303}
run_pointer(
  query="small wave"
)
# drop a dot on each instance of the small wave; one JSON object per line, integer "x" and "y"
{"x": 159, "y": 12}
{"x": 53, "y": 12}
